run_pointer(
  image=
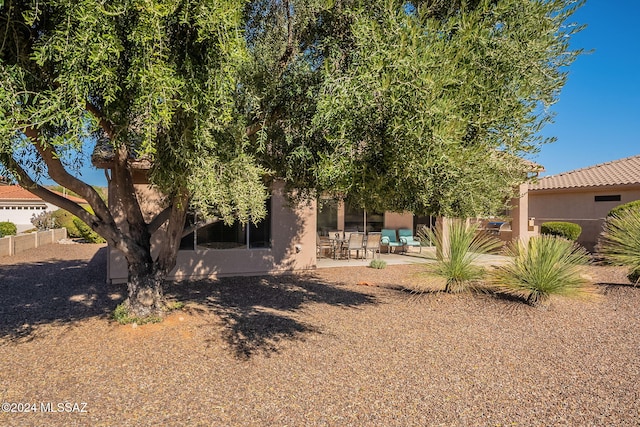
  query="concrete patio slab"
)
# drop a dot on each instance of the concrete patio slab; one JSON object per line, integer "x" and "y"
{"x": 428, "y": 255}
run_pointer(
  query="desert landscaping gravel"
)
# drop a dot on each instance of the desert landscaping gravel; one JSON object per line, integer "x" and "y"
{"x": 346, "y": 346}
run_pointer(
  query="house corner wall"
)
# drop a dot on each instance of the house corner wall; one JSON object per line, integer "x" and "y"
{"x": 293, "y": 246}
{"x": 522, "y": 227}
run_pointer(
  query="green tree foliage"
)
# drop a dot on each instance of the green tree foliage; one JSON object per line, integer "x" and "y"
{"x": 620, "y": 241}
{"x": 458, "y": 247}
{"x": 545, "y": 266}
{"x": 423, "y": 106}
{"x": 151, "y": 80}
{"x": 567, "y": 230}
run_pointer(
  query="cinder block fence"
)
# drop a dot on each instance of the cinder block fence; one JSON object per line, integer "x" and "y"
{"x": 11, "y": 245}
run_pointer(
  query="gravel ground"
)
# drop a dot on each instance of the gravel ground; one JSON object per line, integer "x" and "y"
{"x": 339, "y": 347}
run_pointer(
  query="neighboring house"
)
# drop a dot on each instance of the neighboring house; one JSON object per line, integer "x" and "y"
{"x": 19, "y": 206}
{"x": 585, "y": 196}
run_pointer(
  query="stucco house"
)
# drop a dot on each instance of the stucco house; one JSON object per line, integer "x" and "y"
{"x": 585, "y": 196}
{"x": 284, "y": 241}
{"x": 18, "y": 206}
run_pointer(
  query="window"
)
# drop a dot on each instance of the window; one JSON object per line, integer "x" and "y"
{"x": 327, "y": 216}
{"x": 219, "y": 235}
{"x": 357, "y": 219}
{"x": 608, "y": 198}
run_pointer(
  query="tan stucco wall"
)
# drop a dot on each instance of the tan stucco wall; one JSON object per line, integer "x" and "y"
{"x": 578, "y": 206}
{"x": 396, "y": 220}
{"x": 293, "y": 237}
{"x": 522, "y": 227}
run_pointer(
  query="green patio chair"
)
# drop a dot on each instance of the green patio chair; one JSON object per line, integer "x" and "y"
{"x": 389, "y": 239}
{"x": 408, "y": 239}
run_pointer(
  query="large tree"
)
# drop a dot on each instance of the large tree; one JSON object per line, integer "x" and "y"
{"x": 423, "y": 105}
{"x": 150, "y": 81}
{"x": 427, "y": 105}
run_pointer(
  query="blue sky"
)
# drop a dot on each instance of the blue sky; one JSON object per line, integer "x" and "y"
{"x": 598, "y": 112}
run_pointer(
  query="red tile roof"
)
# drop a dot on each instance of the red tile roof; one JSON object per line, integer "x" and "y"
{"x": 15, "y": 192}
{"x": 618, "y": 172}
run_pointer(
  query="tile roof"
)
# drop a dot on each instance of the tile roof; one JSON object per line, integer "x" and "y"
{"x": 618, "y": 172}
{"x": 17, "y": 193}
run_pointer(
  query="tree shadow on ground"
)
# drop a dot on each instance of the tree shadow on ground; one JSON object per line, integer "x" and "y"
{"x": 258, "y": 313}
{"x": 53, "y": 292}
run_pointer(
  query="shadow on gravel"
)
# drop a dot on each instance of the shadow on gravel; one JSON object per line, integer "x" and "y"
{"x": 257, "y": 313}
{"x": 608, "y": 287}
{"x": 48, "y": 292}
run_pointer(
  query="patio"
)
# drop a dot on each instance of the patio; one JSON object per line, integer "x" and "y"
{"x": 427, "y": 255}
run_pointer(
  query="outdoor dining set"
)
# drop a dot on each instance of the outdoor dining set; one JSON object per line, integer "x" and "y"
{"x": 341, "y": 245}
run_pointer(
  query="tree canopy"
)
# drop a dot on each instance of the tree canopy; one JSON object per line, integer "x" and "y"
{"x": 424, "y": 105}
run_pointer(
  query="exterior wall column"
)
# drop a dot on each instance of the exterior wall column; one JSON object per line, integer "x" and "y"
{"x": 340, "y": 209}
{"x": 443, "y": 225}
{"x": 521, "y": 227}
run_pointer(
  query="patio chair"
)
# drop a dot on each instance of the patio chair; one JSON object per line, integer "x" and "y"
{"x": 389, "y": 239}
{"x": 322, "y": 244}
{"x": 355, "y": 243}
{"x": 408, "y": 239}
{"x": 372, "y": 244}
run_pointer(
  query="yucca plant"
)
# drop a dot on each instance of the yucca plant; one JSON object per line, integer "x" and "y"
{"x": 544, "y": 266}
{"x": 458, "y": 246}
{"x": 620, "y": 241}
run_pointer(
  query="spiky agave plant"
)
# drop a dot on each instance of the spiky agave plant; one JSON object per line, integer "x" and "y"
{"x": 458, "y": 246}
{"x": 620, "y": 242}
{"x": 544, "y": 266}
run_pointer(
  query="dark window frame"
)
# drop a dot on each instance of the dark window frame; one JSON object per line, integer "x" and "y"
{"x": 608, "y": 198}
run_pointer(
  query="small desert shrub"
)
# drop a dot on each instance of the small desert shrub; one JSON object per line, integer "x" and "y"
{"x": 545, "y": 266}
{"x": 86, "y": 232}
{"x": 378, "y": 263}
{"x": 122, "y": 316}
{"x": 457, "y": 254}
{"x": 620, "y": 242}
{"x": 44, "y": 221}
{"x": 174, "y": 305}
{"x": 8, "y": 229}
{"x": 568, "y": 230}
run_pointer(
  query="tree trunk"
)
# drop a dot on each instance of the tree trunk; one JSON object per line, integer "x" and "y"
{"x": 146, "y": 297}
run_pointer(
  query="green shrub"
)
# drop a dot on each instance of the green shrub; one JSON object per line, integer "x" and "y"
{"x": 65, "y": 219}
{"x": 618, "y": 210}
{"x": 620, "y": 241}
{"x": 378, "y": 263}
{"x": 86, "y": 232}
{"x": 568, "y": 230}
{"x": 8, "y": 229}
{"x": 457, "y": 254}
{"x": 545, "y": 266}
